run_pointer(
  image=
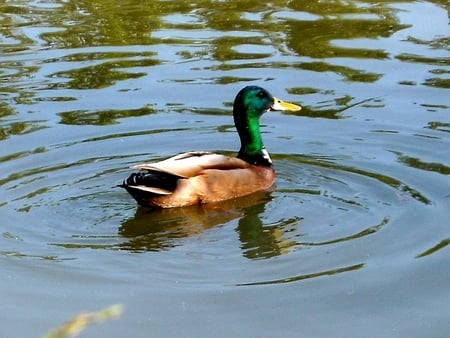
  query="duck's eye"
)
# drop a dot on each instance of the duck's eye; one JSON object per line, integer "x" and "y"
{"x": 261, "y": 95}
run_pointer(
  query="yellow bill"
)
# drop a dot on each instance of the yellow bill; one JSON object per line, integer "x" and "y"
{"x": 281, "y": 105}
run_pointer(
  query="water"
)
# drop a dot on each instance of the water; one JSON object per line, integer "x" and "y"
{"x": 351, "y": 242}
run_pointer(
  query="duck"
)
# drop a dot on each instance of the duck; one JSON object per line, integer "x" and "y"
{"x": 203, "y": 177}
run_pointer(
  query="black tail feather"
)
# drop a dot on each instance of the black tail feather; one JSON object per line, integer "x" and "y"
{"x": 156, "y": 179}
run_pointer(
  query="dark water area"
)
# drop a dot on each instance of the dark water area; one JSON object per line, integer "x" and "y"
{"x": 352, "y": 241}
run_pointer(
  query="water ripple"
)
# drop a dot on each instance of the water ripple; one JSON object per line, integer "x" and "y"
{"x": 306, "y": 276}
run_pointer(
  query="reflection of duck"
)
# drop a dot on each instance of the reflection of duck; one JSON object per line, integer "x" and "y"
{"x": 260, "y": 240}
{"x": 162, "y": 229}
{"x": 204, "y": 177}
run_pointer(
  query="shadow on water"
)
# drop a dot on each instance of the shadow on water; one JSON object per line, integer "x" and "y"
{"x": 260, "y": 239}
{"x": 155, "y": 230}
{"x": 163, "y": 229}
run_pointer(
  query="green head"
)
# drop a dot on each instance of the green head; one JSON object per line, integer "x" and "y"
{"x": 250, "y": 103}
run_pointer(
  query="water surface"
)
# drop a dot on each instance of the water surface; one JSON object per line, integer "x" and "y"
{"x": 351, "y": 242}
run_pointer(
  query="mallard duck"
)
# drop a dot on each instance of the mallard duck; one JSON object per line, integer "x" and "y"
{"x": 200, "y": 177}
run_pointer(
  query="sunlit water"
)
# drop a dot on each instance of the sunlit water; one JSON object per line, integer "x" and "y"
{"x": 351, "y": 242}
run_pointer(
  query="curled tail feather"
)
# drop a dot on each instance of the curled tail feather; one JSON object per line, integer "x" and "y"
{"x": 148, "y": 184}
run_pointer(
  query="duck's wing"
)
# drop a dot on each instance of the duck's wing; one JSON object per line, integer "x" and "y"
{"x": 193, "y": 163}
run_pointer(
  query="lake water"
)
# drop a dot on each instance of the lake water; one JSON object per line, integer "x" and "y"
{"x": 353, "y": 241}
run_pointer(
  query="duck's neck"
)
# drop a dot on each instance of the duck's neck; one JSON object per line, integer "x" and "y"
{"x": 252, "y": 147}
